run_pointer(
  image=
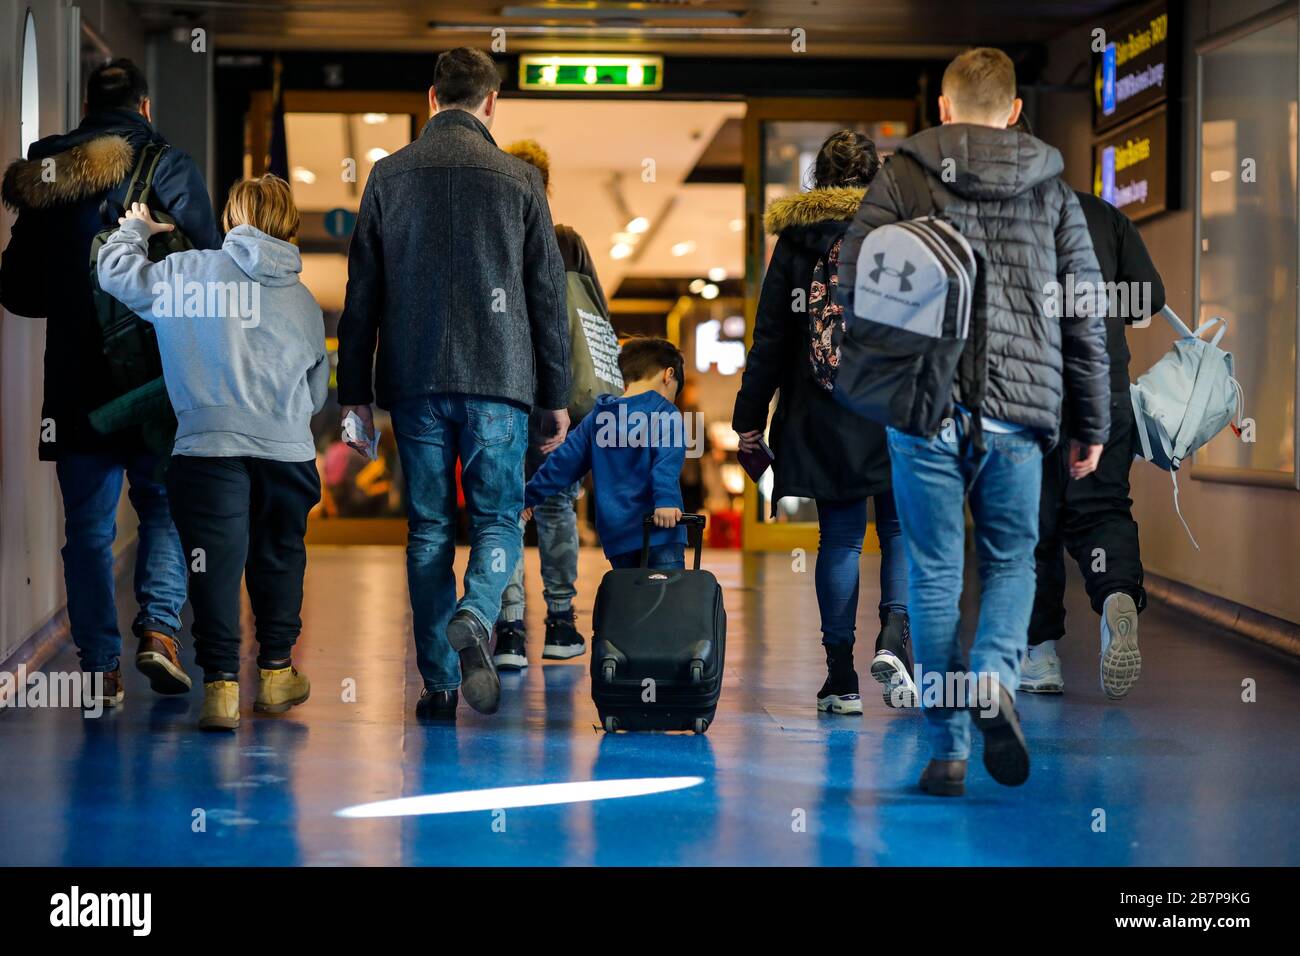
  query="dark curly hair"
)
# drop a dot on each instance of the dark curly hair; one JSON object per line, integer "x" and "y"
{"x": 847, "y": 158}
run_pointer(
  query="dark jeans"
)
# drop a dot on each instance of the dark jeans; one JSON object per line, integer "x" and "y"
{"x": 662, "y": 556}
{"x": 1092, "y": 518}
{"x": 243, "y": 517}
{"x": 91, "y": 486}
{"x": 841, "y": 526}
{"x": 489, "y": 437}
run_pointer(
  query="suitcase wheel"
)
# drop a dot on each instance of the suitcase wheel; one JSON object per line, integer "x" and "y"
{"x": 611, "y": 724}
{"x": 700, "y": 725}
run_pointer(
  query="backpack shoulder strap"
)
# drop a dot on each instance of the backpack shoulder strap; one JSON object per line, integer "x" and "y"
{"x": 913, "y": 185}
{"x": 141, "y": 185}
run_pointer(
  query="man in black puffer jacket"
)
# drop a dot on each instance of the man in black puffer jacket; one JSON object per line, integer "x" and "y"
{"x": 1001, "y": 189}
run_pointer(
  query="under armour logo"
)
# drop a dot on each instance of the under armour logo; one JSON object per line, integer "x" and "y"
{"x": 901, "y": 275}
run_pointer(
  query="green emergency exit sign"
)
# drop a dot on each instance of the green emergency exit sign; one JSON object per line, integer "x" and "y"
{"x": 583, "y": 74}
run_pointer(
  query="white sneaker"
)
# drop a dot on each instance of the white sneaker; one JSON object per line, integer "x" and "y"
{"x": 1121, "y": 661}
{"x": 1040, "y": 671}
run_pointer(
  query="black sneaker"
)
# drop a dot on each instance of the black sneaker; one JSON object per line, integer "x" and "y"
{"x": 839, "y": 694}
{"x": 437, "y": 705}
{"x": 478, "y": 675}
{"x": 508, "y": 653}
{"x": 1006, "y": 757}
{"x": 562, "y": 640}
{"x": 891, "y": 667}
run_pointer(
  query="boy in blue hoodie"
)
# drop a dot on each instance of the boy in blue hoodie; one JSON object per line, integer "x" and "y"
{"x": 634, "y": 446}
{"x": 243, "y": 354}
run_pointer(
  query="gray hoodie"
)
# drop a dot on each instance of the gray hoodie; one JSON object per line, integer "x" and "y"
{"x": 241, "y": 338}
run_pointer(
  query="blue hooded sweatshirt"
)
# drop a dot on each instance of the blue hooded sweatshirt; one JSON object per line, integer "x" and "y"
{"x": 634, "y": 448}
{"x": 242, "y": 340}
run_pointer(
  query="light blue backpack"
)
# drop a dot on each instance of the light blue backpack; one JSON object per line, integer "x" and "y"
{"x": 1186, "y": 398}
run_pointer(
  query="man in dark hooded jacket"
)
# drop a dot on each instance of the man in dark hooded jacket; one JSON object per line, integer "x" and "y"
{"x": 1001, "y": 189}
{"x": 69, "y": 188}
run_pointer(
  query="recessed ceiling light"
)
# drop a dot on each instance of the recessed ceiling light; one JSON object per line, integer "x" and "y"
{"x": 639, "y": 224}
{"x": 736, "y": 225}
{"x": 374, "y": 119}
{"x": 696, "y": 285}
{"x": 301, "y": 174}
{"x": 680, "y": 249}
{"x": 376, "y": 154}
{"x": 710, "y": 291}
{"x": 1220, "y": 175}
{"x": 717, "y": 273}
{"x": 620, "y": 250}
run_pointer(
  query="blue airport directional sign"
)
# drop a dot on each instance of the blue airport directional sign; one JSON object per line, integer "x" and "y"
{"x": 340, "y": 222}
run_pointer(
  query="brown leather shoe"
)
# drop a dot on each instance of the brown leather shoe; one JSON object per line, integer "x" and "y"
{"x": 106, "y": 689}
{"x": 944, "y": 778}
{"x": 159, "y": 660}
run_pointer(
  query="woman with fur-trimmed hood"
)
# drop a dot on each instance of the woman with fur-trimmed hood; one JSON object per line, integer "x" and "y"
{"x": 821, "y": 450}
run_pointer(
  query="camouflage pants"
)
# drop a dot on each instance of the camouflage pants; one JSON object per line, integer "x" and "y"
{"x": 557, "y": 545}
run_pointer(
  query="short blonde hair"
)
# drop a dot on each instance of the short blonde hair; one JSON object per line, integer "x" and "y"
{"x": 531, "y": 152}
{"x": 265, "y": 203}
{"x": 981, "y": 82}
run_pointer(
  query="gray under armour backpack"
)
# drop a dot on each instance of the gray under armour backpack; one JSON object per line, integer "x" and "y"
{"x": 1186, "y": 398}
{"x": 913, "y": 302}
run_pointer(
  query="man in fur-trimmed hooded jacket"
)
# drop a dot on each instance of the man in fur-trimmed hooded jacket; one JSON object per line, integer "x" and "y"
{"x": 69, "y": 188}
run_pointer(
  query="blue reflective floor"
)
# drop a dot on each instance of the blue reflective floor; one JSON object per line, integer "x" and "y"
{"x": 1183, "y": 772}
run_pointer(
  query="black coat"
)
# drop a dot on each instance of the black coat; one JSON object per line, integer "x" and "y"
{"x": 46, "y": 266}
{"x": 1122, "y": 257}
{"x": 821, "y": 449}
{"x": 455, "y": 276}
{"x": 1002, "y": 189}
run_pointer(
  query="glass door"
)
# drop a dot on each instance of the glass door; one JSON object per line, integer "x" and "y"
{"x": 782, "y": 137}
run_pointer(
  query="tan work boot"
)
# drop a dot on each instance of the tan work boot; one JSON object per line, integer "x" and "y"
{"x": 280, "y": 689}
{"x": 159, "y": 660}
{"x": 220, "y": 705}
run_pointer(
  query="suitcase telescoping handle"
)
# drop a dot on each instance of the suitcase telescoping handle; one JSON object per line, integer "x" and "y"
{"x": 687, "y": 519}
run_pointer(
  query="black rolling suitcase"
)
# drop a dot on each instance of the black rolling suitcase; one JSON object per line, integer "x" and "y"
{"x": 658, "y": 644}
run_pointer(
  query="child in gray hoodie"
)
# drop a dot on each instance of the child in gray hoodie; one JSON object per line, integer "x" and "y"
{"x": 243, "y": 355}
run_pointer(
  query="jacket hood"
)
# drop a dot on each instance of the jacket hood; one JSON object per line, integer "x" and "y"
{"x": 270, "y": 261}
{"x": 989, "y": 163}
{"x": 650, "y": 399}
{"x": 813, "y": 207}
{"x": 90, "y": 160}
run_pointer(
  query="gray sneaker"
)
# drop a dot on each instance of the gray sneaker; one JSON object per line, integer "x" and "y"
{"x": 1121, "y": 661}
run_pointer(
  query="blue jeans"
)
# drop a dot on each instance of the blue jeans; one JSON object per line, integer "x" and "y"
{"x": 489, "y": 437}
{"x": 663, "y": 556}
{"x": 932, "y": 480}
{"x": 91, "y": 486}
{"x": 841, "y": 527}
